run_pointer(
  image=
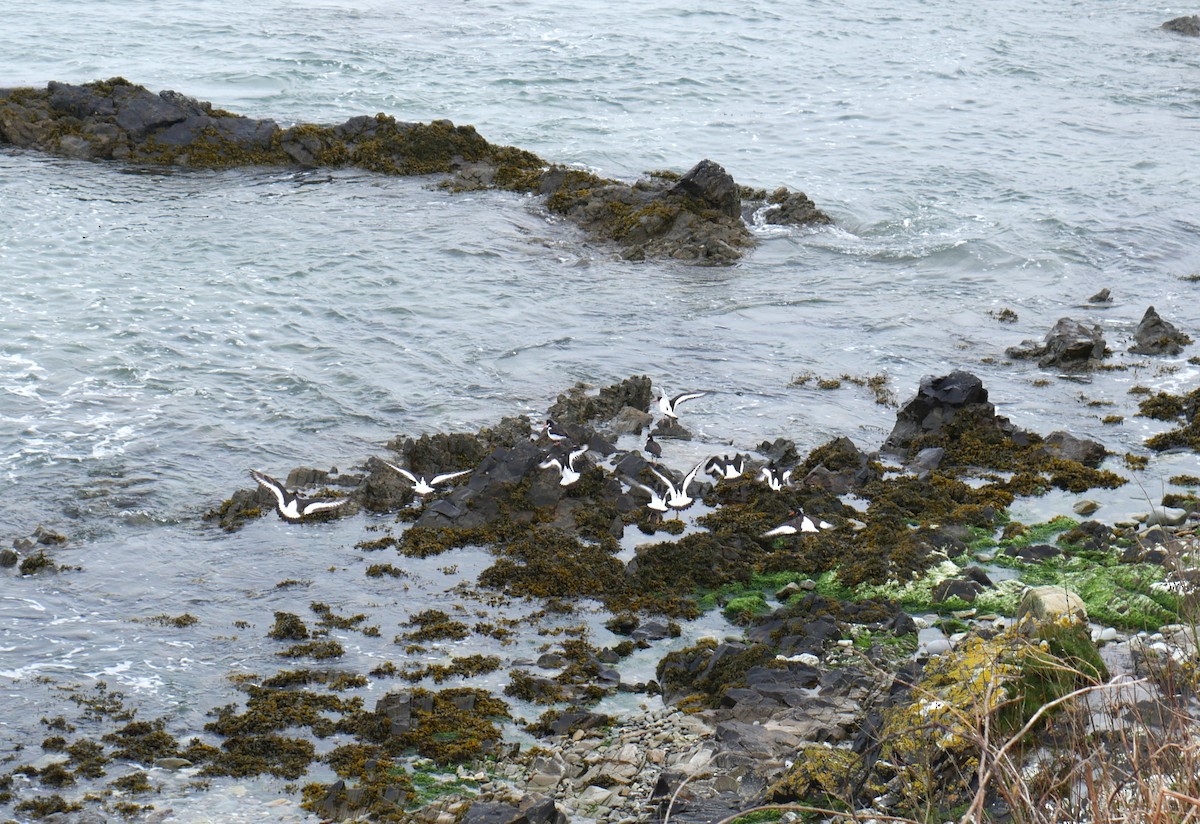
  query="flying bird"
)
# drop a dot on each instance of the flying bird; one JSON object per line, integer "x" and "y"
{"x": 290, "y": 506}
{"x": 420, "y": 484}
{"x": 677, "y": 497}
{"x": 658, "y": 502}
{"x": 799, "y": 522}
{"x": 725, "y": 468}
{"x": 569, "y": 474}
{"x": 667, "y": 405}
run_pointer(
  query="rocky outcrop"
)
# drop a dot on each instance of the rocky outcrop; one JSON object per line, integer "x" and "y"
{"x": 696, "y": 217}
{"x": 1069, "y": 345}
{"x": 1155, "y": 336}
{"x": 1189, "y": 25}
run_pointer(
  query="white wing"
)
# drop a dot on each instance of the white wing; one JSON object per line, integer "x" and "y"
{"x": 551, "y": 463}
{"x": 686, "y": 396}
{"x": 412, "y": 479}
{"x": 438, "y": 479}
{"x": 785, "y": 529}
{"x": 267, "y": 482}
{"x": 314, "y": 506}
{"x": 691, "y": 476}
{"x": 670, "y": 486}
{"x": 575, "y": 454}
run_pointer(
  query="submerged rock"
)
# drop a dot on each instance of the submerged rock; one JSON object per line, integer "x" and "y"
{"x": 1155, "y": 336}
{"x": 1189, "y": 25}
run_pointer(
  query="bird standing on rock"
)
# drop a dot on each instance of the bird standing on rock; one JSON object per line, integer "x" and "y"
{"x": 652, "y": 446}
{"x": 290, "y": 506}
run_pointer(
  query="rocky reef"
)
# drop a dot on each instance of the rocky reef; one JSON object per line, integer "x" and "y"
{"x": 697, "y": 217}
{"x": 878, "y": 663}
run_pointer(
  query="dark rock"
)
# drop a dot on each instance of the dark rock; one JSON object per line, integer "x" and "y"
{"x": 398, "y": 707}
{"x": 839, "y": 467}
{"x": 482, "y": 812}
{"x": 938, "y": 401}
{"x": 710, "y": 183}
{"x": 978, "y": 575}
{"x": 1189, "y": 25}
{"x": 1064, "y": 445}
{"x": 1068, "y": 345}
{"x": 955, "y": 588}
{"x": 793, "y": 208}
{"x": 927, "y": 460}
{"x": 1090, "y": 535}
{"x": 1033, "y": 553}
{"x": 780, "y": 452}
{"x": 48, "y": 537}
{"x": 1103, "y": 296}
{"x": 8, "y": 557}
{"x": 654, "y": 629}
{"x": 1155, "y": 336}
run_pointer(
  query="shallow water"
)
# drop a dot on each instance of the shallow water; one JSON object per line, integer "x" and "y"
{"x": 161, "y": 332}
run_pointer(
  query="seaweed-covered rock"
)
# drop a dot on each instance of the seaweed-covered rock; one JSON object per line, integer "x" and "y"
{"x": 1155, "y": 336}
{"x": 940, "y": 400}
{"x": 1068, "y": 345}
{"x": 793, "y": 208}
{"x": 695, "y": 217}
{"x": 1188, "y": 25}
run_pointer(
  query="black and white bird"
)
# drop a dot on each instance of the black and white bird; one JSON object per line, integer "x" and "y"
{"x": 677, "y": 497}
{"x": 799, "y": 522}
{"x": 422, "y": 485}
{"x": 771, "y": 477}
{"x": 290, "y": 506}
{"x": 668, "y": 405}
{"x": 554, "y": 432}
{"x": 569, "y": 474}
{"x": 652, "y": 446}
{"x": 658, "y": 502}
{"x": 724, "y": 468}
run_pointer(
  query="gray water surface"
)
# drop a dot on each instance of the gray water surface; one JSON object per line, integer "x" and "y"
{"x": 163, "y": 331}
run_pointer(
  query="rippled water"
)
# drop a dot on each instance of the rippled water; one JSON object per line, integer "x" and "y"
{"x": 163, "y": 331}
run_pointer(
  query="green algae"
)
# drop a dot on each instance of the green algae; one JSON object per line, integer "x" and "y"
{"x": 434, "y": 625}
{"x": 461, "y": 667}
{"x": 142, "y": 741}
{"x": 550, "y": 563}
{"x": 319, "y": 650}
{"x": 288, "y": 627}
{"x": 820, "y": 774}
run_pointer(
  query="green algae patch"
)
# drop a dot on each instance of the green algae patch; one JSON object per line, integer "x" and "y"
{"x": 460, "y": 726}
{"x": 319, "y": 650}
{"x": 1165, "y": 407}
{"x": 142, "y": 741}
{"x": 1120, "y": 595}
{"x": 461, "y": 667}
{"x": 288, "y": 627}
{"x": 820, "y": 774}
{"x": 433, "y": 625}
{"x": 931, "y": 744}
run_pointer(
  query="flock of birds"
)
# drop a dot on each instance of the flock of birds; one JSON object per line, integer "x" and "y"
{"x": 564, "y": 458}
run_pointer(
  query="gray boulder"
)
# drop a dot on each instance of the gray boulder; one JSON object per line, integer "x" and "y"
{"x": 1155, "y": 336}
{"x": 710, "y": 183}
{"x": 1189, "y": 25}
{"x": 1069, "y": 345}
